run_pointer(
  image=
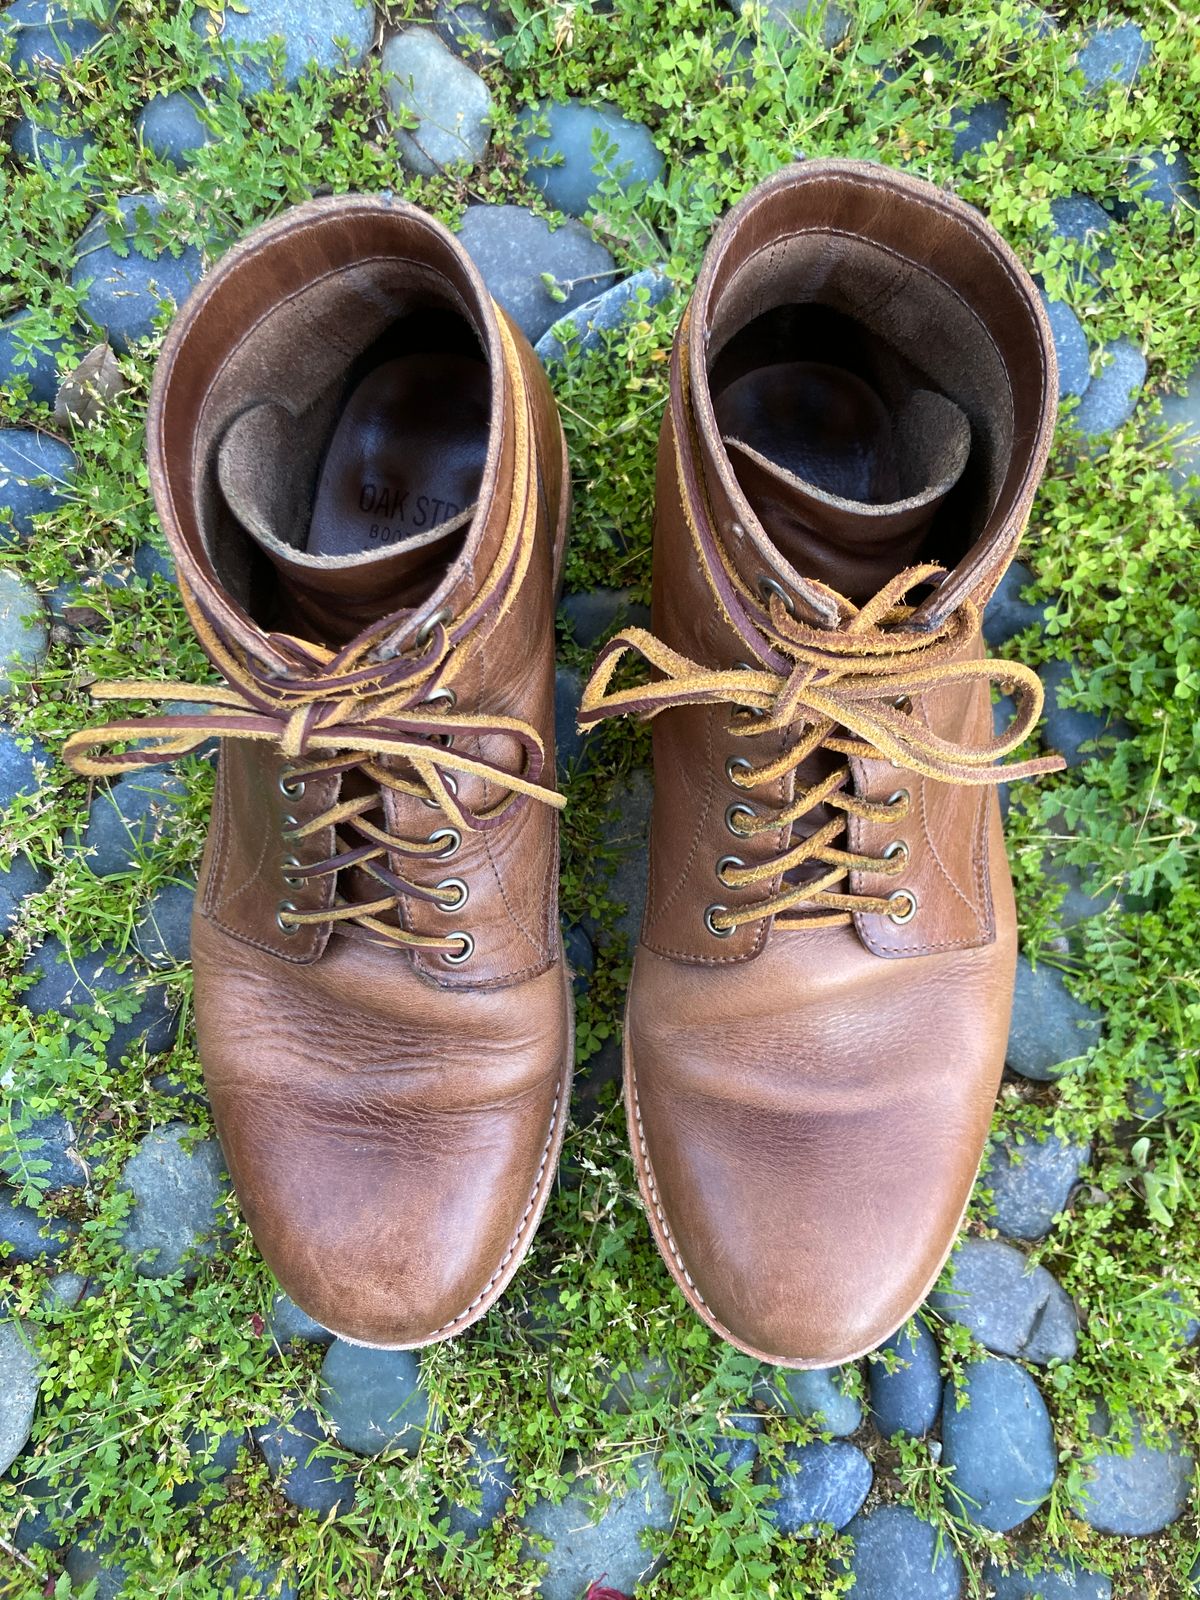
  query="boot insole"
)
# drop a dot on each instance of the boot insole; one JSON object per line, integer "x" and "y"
{"x": 819, "y": 422}
{"x": 406, "y": 456}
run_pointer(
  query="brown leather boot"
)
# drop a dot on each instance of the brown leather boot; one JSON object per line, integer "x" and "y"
{"x": 863, "y": 393}
{"x": 360, "y": 469}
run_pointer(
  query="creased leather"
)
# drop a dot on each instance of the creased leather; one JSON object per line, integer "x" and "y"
{"x": 391, "y": 1122}
{"x": 807, "y": 1107}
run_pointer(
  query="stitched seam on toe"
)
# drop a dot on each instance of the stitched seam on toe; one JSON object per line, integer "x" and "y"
{"x": 652, "y": 1187}
{"x": 516, "y": 1238}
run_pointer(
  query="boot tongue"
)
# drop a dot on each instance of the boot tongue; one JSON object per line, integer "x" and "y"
{"x": 332, "y": 583}
{"x": 845, "y": 487}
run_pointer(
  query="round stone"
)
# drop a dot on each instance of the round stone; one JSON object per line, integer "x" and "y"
{"x": 150, "y": 563}
{"x": 568, "y": 741}
{"x": 288, "y": 1325}
{"x": 18, "y": 881}
{"x": 177, "y": 1184}
{"x": 734, "y": 1447}
{"x": 1157, "y": 177}
{"x": 163, "y": 932}
{"x": 1007, "y": 613}
{"x": 48, "y": 1150}
{"x": 627, "y": 831}
{"x": 469, "y": 28}
{"x": 1137, "y": 1490}
{"x": 308, "y": 1484}
{"x": 982, "y": 124}
{"x": 629, "y": 1387}
{"x": 19, "y": 1381}
{"x": 1061, "y": 1580}
{"x": 999, "y": 1446}
{"x": 311, "y": 32}
{"x": 128, "y": 819}
{"x": 172, "y": 128}
{"x": 563, "y": 161}
{"x": 818, "y": 1484}
{"x": 96, "y": 1559}
{"x": 812, "y": 1393}
{"x": 1070, "y": 347}
{"x": 1031, "y": 1182}
{"x": 212, "y": 1460}
{"x": 46, "y": 38}
{"x": 23, "y": 635}
{"x": 590, "y": 1536}
{"x": 907, "y": 1399}
{"x": 35, "y": 472}
{"x": 594, "y": 614}
{"x": 1049, "y": 1027}
{"x": 1112, "y": 394}
{"x": 490, "y": 1476}
{"x": 43, "y": 140}
{"x": 1009, "y": 1306}
{"x": 517, "y": 252}
{"x": 23, "y": 357}
{"x": 247, "y": 1579}
{"x": 584, "y": 329}
{"x": 1113, "y": 56}
{"x": 27, "y": 1236}
{"x": 833, "y": 20}
{"x": 1181, "y": 411}
{"x": 376, "y": 1399}
{"x": 66, "y": 981}
{"x": 24, "y": 765}
{"x": 450, "y": 105}
{"x": 897, "y": 1556}
{"x": 48, "y": 1506}
{"x": 124, "y": 295}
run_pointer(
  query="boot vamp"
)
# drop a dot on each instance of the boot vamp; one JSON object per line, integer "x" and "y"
{"x": 390, "y": 1140}
{"x": 812, "y": 1121}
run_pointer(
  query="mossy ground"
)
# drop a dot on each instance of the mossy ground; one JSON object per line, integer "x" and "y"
{"x": 140, "y": 1361}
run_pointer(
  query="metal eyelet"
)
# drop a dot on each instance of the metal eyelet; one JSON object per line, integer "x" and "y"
{"x": 292, "y": 882}
{"x": 451, "y": 783}
{"x": 737, "y": 809}
{"x": 737, "y": 764}
{"x": 289, "y": 822}
{"x": 723, "y": 864}
{"x": 425, "y": 632}
{"x": 451, "y": 834}
{"x": 289, "y": 928}
{"x": 902, "y": 702}
{"x": 898, "y": 847}
{"x": 900, "y": 798}
{"x": 443, "y": 696}
{"x": 290, "y": 788}
{"x": 465, "y": 954}
{"x": 464, "y": 894}
{"x": 716, "y": 911}
{"x": 757, "y": 712}
{"x": 902, "y": 917}
{"x": 768, "y": 587}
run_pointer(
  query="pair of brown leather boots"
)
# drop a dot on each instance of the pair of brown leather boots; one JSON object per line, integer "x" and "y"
{"x": 360, "y": 469}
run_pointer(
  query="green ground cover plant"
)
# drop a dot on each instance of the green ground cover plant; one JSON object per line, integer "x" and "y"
{"x": 1112, "y": 545}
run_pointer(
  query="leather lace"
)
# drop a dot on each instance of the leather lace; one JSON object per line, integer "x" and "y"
{"x": 356, "y": 711}
{"x": 337, "y": 712}
{"x": 848, "y": 691}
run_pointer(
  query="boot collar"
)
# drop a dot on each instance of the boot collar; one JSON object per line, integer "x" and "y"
{"x": 911, "y": 230}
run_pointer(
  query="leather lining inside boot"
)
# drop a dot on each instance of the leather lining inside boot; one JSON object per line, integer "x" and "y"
{"x": 843, "y": 451}
{"x": 363, "y": 500}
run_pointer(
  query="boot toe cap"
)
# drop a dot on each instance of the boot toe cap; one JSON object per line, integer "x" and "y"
{"x": 388, "y": 1227}
{"x": 805, "y": 1226}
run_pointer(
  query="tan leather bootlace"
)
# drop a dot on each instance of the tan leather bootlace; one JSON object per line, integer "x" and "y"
{"x": 357, "y": 710}
{"x": 846, "y": 693}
